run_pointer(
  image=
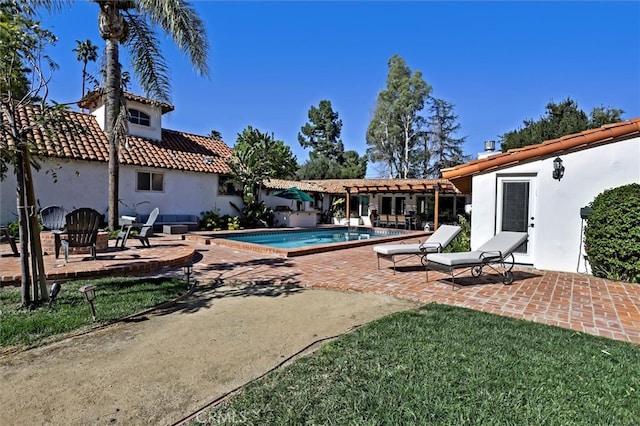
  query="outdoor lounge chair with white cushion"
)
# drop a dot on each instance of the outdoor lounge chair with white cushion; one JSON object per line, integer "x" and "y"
{"x": 497, "y": 252}
{"x": 434, "y": 244}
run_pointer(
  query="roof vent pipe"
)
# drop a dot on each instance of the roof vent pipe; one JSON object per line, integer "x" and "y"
{"x": 489, "y": 146}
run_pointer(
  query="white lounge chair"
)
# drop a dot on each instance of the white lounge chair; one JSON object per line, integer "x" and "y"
{"x": 493, "y": 254}
{"x": 434, "y": 244}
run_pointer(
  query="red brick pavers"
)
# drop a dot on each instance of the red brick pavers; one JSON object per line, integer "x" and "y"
{"x": 579, "y": 302}
{"x": 167, "y": 254}
{"x": 574, "y": 301}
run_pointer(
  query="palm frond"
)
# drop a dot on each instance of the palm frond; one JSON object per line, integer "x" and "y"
{"x": 179, "y": 20}
{"x": 49, "y": 5}
{"x": 147, "y": 60}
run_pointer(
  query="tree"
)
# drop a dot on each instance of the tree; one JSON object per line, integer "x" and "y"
{"x": 87, "y": 52}
{"x": 327, "y": 159}
{"x": 25, "y": 73}
{"x": 258, "y": 157}
{"x": 214, "y": 134}
{"x": 353, "y": 165}
{"x": 322, "y": 132}
{"x": 560, "y": 120}
{"x": 130, "y": 23}
{"x": 396, "y": 126}
{"x": 319, "y": 167}
{"x": 445, "y": 150}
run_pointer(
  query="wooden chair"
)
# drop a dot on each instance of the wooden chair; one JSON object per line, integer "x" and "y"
{"x": 81, "y": 230}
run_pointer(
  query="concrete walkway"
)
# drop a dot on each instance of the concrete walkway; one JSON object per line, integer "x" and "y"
{"x": 575, "y": 301}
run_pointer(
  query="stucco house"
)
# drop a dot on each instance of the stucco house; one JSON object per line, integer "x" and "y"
{"x": 362, "y": 197}
{"x": 541, "y": 189}
{"x": 179, "y": 172}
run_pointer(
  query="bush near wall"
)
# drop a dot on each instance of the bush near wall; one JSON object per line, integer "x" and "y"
{"x": 612, "y": 234}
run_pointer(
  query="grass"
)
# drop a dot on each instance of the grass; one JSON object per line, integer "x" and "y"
{"x": 116, "y": 298}
{"x": 446, "y": 365}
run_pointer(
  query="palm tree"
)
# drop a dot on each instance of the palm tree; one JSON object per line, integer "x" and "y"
{"x": 86, "y": 52}
{"x": 131, "y": 23}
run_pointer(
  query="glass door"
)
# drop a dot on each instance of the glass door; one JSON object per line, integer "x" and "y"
{"x": 515, "y": 211}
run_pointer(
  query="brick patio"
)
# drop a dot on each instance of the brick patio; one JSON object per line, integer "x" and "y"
{"x": 574, "y": 301}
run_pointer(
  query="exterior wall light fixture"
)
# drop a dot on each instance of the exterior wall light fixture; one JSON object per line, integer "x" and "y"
{"x": 558, "y": 168}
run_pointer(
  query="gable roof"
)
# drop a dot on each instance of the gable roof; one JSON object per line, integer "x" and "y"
{"x": 79, "y": 137}
{"x": 461, "y": 175}
{"x": 364, "y": 186}
{"x": 94, "y": 97}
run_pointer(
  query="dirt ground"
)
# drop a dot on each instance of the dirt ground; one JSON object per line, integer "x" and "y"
{"x": 161, "y": 367}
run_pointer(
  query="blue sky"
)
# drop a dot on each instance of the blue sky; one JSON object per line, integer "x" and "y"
{"x": 498, "y": 63}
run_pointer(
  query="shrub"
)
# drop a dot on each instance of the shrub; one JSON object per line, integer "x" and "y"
{"x": 210, "y": 220}
{"x": 612, "y": 234}
{"x": 462, "y": 241}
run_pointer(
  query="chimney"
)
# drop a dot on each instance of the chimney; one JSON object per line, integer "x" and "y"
{"x": 489, "y": 149}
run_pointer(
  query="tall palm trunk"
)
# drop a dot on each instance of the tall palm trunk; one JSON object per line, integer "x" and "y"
{"x": 112, "y": 30}
{"x": 112, "y": 111}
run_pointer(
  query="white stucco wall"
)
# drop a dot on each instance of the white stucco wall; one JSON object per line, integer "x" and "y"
{"x": 557, "y": 241}
{"x": 85, "y": 184}
{"x": 153, "y": 131}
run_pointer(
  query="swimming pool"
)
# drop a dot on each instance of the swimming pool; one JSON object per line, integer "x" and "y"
{"x": 297, "y": 242}
{"x": 304, "y": 238}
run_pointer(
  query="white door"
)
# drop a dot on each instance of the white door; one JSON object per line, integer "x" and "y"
{"x": 515, "y": 211}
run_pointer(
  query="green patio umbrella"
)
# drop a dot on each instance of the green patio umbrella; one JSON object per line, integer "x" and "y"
{"x": 293, "y": 193}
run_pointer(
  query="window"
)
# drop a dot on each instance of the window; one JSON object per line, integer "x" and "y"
{"x": 399, "y": 205}
{"x": 226, "y": 186}
{"x": 148, "y": 181}
{"x": 139, "y": 117}
{"x": 385, "y": 208}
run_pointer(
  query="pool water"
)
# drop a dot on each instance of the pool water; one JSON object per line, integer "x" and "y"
{"x": 305, "y": 238}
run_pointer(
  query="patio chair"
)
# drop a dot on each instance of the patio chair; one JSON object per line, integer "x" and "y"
{"x": 495, "y": 253}
{"x": 53, "y": 218}
{"x": 434, "y": 244}
{"x": 81, "y": 230}
{"x": 145, "y": 230}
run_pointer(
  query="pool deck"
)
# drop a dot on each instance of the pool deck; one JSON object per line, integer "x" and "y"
{"x": 579, "y": 302}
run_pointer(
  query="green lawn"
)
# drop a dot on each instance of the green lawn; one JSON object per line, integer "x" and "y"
{"x": 116, "y": 298}
{"x": 446, "y": 365}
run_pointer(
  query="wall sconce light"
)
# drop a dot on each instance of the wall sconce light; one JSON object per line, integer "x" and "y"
{"x": 89, "y": 293}
{"x": 188, "y": 270}
{"x": 558, "y": 168}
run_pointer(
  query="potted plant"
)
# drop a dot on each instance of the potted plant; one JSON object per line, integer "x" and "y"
{"x": 338, "y": 212}
{"x": 339, "y": 217}
{"x": 355, "y": 219}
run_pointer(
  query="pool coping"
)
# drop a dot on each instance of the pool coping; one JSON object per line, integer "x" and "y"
{"x": 208, "y": 239}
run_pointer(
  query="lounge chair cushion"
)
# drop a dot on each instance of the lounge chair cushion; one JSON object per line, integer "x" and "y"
{"x": 435, "y": 243}
{"x": 393, "y": 249}
{"x": 499, "y": 246}
{"x": 455, "y": 259}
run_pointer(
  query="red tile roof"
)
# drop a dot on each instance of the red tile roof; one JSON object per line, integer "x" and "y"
{"x": 461, "y": 175}
{"x": 93, "y": 98}
{"x": 79, "y": 137}
{"x": 355, "y": 186}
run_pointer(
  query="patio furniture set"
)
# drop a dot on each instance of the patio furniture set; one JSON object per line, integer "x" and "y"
{"x": 496, "y": 254}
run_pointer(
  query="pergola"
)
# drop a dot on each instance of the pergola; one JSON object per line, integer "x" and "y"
{"x": 407, "y": 186}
